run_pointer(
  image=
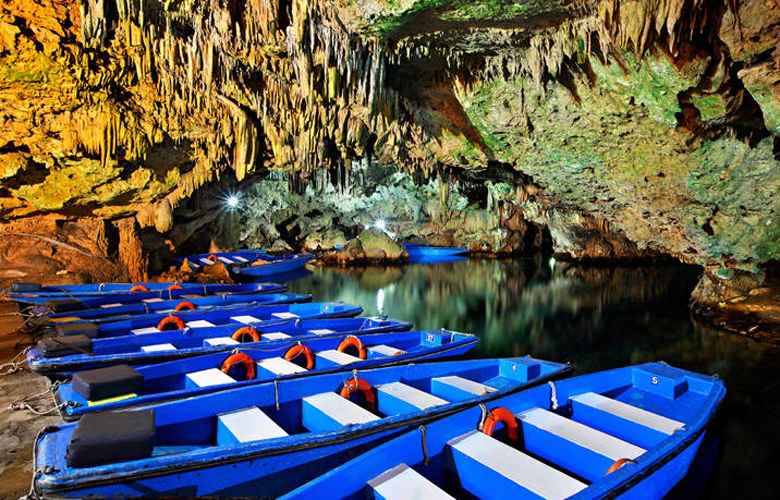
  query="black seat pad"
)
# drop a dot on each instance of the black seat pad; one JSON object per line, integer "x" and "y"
{"x": 102, "y": 383}
{"x": 110, "y": 437}
{"x": 63, "y": 346}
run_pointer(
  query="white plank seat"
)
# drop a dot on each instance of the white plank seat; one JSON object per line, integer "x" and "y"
{"x": 277, "y": 367}
{"x": 404, "y": 483}
{"x": 455, "y": 388}
{"x": 144, "y": 331}
{"x": 333, "y": 357}
{"x": 381, "y": 350}
{"x": 587, "y": 452}
{"x": 206, "y": 262}
{"x": 623, "y": 420}
{"x": 274, "y": 336}
{"x": 245, "y": 319}
{"x": 225, "y": 260}
{"x": 397, "y": 398}
{"x": 248, "y": 424}
{"x": 240, "y": 259}
{"x": 329, "y": 411}
{"x": 207, "y": 378}
{"x": 152, "y": 300}
{"x": 200, "y": 323}
{"x": 321, "y": 331}
{"x": 107, "y": 306}
{"x": 158, "y": 347}
{"x": 219, "y": 341}
{"x": 284, "y": 315}
{"x": 191, "y": 296}
{"x": 485, "y": 466}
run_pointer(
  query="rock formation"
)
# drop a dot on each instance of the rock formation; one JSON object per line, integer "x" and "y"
{"x": 622, "y": 128}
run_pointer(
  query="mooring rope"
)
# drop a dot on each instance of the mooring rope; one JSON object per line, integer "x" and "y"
{"x": 24, "y": 403}
{"x": 14, "y": 366}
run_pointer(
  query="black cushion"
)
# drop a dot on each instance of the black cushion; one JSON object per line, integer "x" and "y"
{"x": 91, "y": 330}
{"x": 25, "y": 287}
{"x": 110, "y": 437}
{"x": 64, "y": 305}
{"x": 102, "y": 383}
{"x": 64, "y": 346}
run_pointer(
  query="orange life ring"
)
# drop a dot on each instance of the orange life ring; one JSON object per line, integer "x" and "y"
{"x": 242, "y": 358}
{"x": 185, "y": 305}
{"x": 213, "y": 258}
{"x": 139, "y": 288}
{"x": 171, "y": 320}
{"x": 354, "y": 342}
{"x": 618, "y": 464}
{"x": 296, "y": 351}
{"x": 246, "y": 330}
{"x": 174, "y": 287}
{"x": 497, "y": 415}
{"x": 358, "y": 384}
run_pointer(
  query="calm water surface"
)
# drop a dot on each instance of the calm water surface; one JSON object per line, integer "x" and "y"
{"x": 595, "y": 318}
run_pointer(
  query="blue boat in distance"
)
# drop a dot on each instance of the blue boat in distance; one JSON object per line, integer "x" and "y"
{"x": 237, "y": 258}
{"x": 174, "y": 291}
{"x": 625, "y": 433}
{"x": 189, "y": 303}
{"x": 264, "y": 440}
{"x": 18, "y": 290}
{"x": 420, "y": 252}
{"x": 199, "y": 318}
{"x": 268, "y": 361}
{"x": 162, "y": 346}
{"x": 273, "y": 265}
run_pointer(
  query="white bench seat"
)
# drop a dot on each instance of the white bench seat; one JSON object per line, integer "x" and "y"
{"x": 200, "y": 323}
{"x": 500, "y": 467}
{"x": 245, "y": 319}
{"x": 338, "y": 357}
{"x": 418, "y": 399}
{"x": 240, "y": 259}
{"x": 144, "y": 331}
{"x": 151, "y": 301}
{"x": 629, "y": 412}
{"x": 219, "y": 341}
{"x": 225, "y": 260}
{"x": 107, "y": 306}
{"x": 274, "y": 336}
{"x": 385, "y": 350}
{"x": 404, "y": 483}
{"x": 249, "y": 424}
{"x": 206, "y": 262}
{"x": 328, "y": 411}
{"x": 280, "y": 366}
{"x": 284, "y": 315}
{"x": 158, "y": 347}
{"x": 465, "y": 384}
{"x": 321, "y": 331}
{"x": 207, "y": 378}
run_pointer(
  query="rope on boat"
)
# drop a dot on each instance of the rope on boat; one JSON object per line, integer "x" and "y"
{"x": 276, "y": 393}
{"x": 427, "y": 460}
{"x": 14, "y": 366}
{"x": 59, "y": 243}
{"x": 553, "y": 396}
{"x": 24, "y": 404}
{"x": 482, "y": 418}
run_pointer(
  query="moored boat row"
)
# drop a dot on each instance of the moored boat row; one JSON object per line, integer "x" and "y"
{"x": 249, "y": 392}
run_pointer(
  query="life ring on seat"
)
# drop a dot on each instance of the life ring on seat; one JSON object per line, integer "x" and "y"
{"x": 213, "y": 258}
{"x": 175, "y": 320}
{"x": 246, "y": 330}
{"x": 139, "y": 288}
{"x": 497, "y": 415}
{"x": 175, "y": 287}
{"x": 618, "y": 464}
{"x": 353, "y": 342}
{"x": 189, "y": 306}
{"x": 242, "y": 358}
{"x": 358, "y": 384}
{"x": 296, "y": 351}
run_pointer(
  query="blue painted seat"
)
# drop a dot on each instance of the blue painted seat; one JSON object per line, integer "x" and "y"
{"x": 404, "y": 483}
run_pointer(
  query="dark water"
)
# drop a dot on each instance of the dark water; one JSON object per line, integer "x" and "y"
{"x": 595, "y": 318}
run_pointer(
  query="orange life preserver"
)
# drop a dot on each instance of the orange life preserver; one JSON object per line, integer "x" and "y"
{"x": 297, "y": 350}
{"x": 497, "y": 415}
{"x": 358, "y": 384}
{"x": 354, "y": 342}
{"x": 242, "y": 358}
{"x": 174, "y": 287}
{"x": 139, "y": 288}
{"x": 618, "y": 464}
{"x": 171, "y": 319}
{"x": 246, "y": 330}
{"x": 213, "y": 258}
{"x": 185, "y": 305}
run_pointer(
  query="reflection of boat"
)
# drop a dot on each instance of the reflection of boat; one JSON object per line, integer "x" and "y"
{"x": 265, "y": 439}
{"x": 632, "y": 431}
{"x": 274, "y": 265}
{"x": 296, "y": 274}
{"x": 419, "y": 251}
{"x": 436, "y": 259}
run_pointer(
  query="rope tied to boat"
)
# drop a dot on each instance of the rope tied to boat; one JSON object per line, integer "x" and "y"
{"x": 553, "y": 395}
{"x": 25, "y": 403}
{"x": 276, "y": 393}
{"x": 427, "y": 459}
{"x": 14, "y": 366}
{"x": 484, "y": 416}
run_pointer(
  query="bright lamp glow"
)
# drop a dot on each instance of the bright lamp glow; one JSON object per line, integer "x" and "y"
{"x": 380, "y": 224}
{"x": 232, "y": 201}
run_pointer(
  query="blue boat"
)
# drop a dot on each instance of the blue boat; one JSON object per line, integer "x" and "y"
{"x": 199, "y": 318}
{"x": 120, "y": 387}
{"x": 263, "y": 440}
{"x": 419, "y": 252}
{"x": 163, "y": 346}
{"x": 274, "y": 265}
{"x": 237, "y": 258}
{"x": 186, "y": 302}
{"x": 174, "y": 291}
{"x": 102, "y": 289}
{"x": 628, "y": 433}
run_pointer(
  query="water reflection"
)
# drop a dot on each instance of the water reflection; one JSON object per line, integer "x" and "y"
{"x": 596, "y": 318}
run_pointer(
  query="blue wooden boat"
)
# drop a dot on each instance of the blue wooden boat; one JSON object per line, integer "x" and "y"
{"x": 260, "y": 362}
{"x": 628, "y": 433}
{"x": 174, "y": 291}
{"x": 199, "y": 318}
{"x": 163, "y": 346}
{"x": 422, "y": 252}
{"x": 263, "y": 440}
{"x": 237, "y": 258}
{"x": 151, "y": 306}
{"x": 274, "y": 265}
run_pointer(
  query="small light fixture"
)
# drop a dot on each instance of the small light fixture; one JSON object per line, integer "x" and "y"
{"x": 552, "y": 263}
{"x": 232, "y": 201}
{"x": 380, "y": 224}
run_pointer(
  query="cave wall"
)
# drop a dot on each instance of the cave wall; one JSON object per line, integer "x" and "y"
{"x": 633, "y": 128}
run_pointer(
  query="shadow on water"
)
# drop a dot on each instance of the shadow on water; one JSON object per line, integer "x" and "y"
{"x": 596, "y": 318}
